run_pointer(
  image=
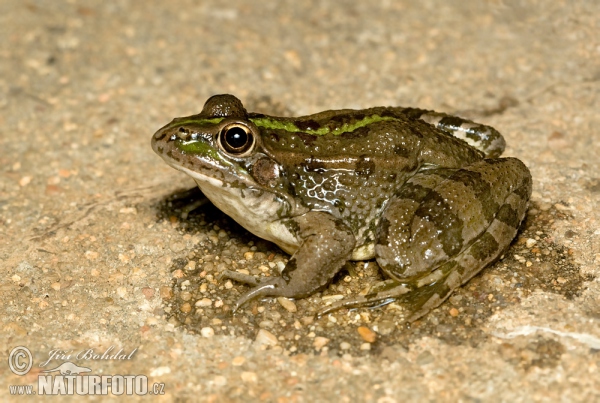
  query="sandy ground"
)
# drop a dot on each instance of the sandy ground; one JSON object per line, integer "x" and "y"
{"x": 96, "y": 257}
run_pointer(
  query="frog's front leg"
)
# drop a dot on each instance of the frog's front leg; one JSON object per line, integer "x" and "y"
{"x": 327, "y": 244}
{"x": 443, "y": 227}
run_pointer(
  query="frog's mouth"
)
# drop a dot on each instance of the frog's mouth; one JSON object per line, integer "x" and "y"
{"x": 201, "y": 161}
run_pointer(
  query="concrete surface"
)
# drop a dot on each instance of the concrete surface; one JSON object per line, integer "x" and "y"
{"x": 94, "y": 253}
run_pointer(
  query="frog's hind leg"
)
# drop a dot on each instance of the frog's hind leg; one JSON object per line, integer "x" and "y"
{"x": 482, "y": 137}
{"x": 443, "y": 228}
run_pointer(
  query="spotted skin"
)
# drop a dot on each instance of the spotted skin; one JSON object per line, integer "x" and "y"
{"x": 424, "y": 193}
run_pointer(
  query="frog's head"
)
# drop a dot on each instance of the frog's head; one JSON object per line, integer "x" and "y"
{"x": 219, "y": 145}
{"x": 221, "y": 149}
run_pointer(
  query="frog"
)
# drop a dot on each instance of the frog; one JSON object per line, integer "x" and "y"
{"x": 425, "y": 194}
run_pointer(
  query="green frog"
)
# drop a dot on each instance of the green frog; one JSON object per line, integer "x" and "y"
{"x": 423, "y": 193}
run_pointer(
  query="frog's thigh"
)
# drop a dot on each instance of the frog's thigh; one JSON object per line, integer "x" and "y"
{"x": 444, "y": 227}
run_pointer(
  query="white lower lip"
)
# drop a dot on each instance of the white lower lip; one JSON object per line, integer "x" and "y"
{"x": 198, "y": 176}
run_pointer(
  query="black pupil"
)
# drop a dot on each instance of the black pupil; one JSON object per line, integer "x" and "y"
{"x": 236, "y": 137}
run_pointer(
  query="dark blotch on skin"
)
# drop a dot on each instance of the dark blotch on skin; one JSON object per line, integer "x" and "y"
{"x": 360, "y": 132}
{"x": 524, "y": 191}
{"x": 289, "y": 267}
{"x": 384, "y": 228}
{"x": 485, "y": 247}
{"x": 387, "y": 113}
{"x": 508, "y": 216}
{"x": 365, "y": 167}
{"x": 412, "y": 191}
{"x": 402, "y": 151}
{"x": 414, "y": 113}
{"x": 162, "y": 136}
{"x": 307, "y": 139}
{"x": 451, "y": 122}
{"x": 474, "y": 181}
{"x": 306, "y": 125}
{"x": 274, "y": 137}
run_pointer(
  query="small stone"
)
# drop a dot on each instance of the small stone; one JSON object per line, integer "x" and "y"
{"x": 238, "y": 361}
{"x": 122, "y": 292}
{"x": 186, "y": 308}
{"x": 166, "y": 292}
{"x": 320, "y": 342}
{"x": 24, "y": 181}
{"x": 345, "y": 345}
{"x": 207, "y": 332}
{"x": 55, "y": 286}
{"x": 249, "y": 255}
{"x": 287, "y": 304}
{"x": 530, "y": 242}
{"x": 265, "y": 337}
{"x": 248, "y": 376}
{"x": 204, "y": 302}
{"x": 148, "y": 292}
{"x": 186, "y": 296}
{"x": 365, "y": 346}
{"x": 453, "y": 312}
{"x": 455, "y": 299}
{"x": 367, "y": 334}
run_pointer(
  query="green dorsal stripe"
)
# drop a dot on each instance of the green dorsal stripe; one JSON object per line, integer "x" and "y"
{"x": 289, "y": 126}
{"x": 275, "y": 124}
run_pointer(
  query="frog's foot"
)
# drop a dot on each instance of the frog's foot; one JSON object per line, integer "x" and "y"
{"x": 262, "y": 287}
{"x": 327, "y": 246}
{"x": 381, "y": 294}
{"x": 417, "y": 297}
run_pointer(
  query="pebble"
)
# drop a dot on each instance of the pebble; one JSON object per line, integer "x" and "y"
{"x": 367, "y": 334}
{"x": 204, "y": 302}
{"x": 248, "y": 376}
{"x": 166, "y": 292}
{"x": 207, "y": 332}
{"x": 287, "y": 304}
{"x": 265, "y": 337}
{"x": 238, "y": 361}
{"x": 320, "y": 342}
{"x": 345, "y": 345}
{"x": 530, "y": 242}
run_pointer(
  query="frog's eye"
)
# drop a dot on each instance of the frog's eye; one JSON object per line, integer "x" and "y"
{"x": 236, "y": 139}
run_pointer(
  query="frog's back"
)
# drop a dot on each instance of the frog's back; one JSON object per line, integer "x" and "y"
{"x": 390, "y": 137}
{"x": 350, "y": 163}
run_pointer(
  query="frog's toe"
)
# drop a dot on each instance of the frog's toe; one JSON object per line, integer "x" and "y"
{"x": 273, "y": 286}
{"x": 382, "y": 294}
{"x": 239, "y": 277}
